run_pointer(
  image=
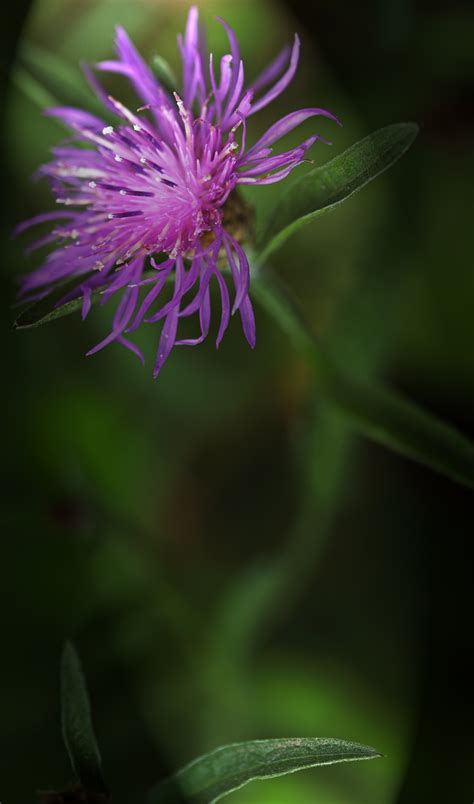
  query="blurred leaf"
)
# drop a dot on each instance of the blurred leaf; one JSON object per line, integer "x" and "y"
{"x": 58, "y": 77}
{"x": 213, "y": 776}
{"x": 397, "y": 423}
{"x": 379, "y": 414}
{"x": 32, "y": 89}
{"x": 78, "y": 732}
{"x": 165, "y": 73}
{"x": 323, "y": 188}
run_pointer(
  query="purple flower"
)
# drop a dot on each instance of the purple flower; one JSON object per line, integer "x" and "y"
{"x": 164, "y": 184}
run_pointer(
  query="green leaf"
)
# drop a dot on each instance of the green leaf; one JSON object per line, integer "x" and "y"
{"x": 32, "y": 89}
{"x": 377, "y": 413}
{"x": 63, "y": 83}
{"x": 78, "y": 732}
{"x": 165, "y": 73}
{"x": 324, "y": 188}
{"x": 212, "y": 776}
{"x": 44, "y": 311}
{"x": 397, "y": 423}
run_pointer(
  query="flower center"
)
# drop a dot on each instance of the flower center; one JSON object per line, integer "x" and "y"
{"x": 237, "y": 219}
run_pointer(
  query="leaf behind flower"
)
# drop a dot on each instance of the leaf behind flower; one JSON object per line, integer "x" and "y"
{"x": 63, "y": 82}
{"x": 50, "y": 308}
{"x": 324, "y": 188}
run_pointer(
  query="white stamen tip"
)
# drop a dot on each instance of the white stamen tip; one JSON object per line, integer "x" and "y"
{"x": 107, "y": 130}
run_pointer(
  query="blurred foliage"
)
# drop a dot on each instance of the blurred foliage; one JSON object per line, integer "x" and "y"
{"x": 151, "y": 522}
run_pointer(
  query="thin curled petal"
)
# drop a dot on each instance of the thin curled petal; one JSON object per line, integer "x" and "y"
{"x": 143, "y": 79}
{"x": 225, "y": 305}
{"x": 267, "y": 164}
{"x": 167, "y": 340}
{"x": 234, "y": 49}
{"x": 96, "y": 86}
{"x": 273, "y": 178}
{"x": 75, "y": 118}
{"x": 132, "y": 347}
{"x": 86, "y": 301}
{"x": 248, "y": 321}
{"x": 271, "y": 72}
{"x": 240, "y": 275}
{"x": 284, "y": 126}
{"x": 283, "y": 82}
{"x": 121, "y": 319}
{"x": 204, "y": 321}
{"x": 191, "y": 52}
{"x": 150, "y": 298}
{"x": 43, "y": 217}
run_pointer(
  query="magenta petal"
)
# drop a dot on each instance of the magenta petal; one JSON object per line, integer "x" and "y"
{"x": 121, "y": 319}
{"x": 295, "y": 155}
{"x": 272, "y": 178}
{"x": 168, "y": 337}
{"x": 86, "y": 301}
{"x": 195, "y": 304}
{"x": 234, "y": 45}
{"x": 151, "y": 296}
{"x": 283, "y": 82}
{"x": 143, "y": 80}
{"x": 123, "y": 277}
{"x": 271, "y": 72}
{"x": 43, "y": 217}
{"x": 241, "y": 275}
{"x": 248, "y": 321}
{"x": 75, "y": 118}
{"x": 96, "y": 86}
{"x": 191, "y": 51}
{"x": 237, "y": 92}
{"x": 225, "y": 302}
{"x": 132, "y": 347}
{"x": 205, "y": 314}
{"x": 284, "y": 126}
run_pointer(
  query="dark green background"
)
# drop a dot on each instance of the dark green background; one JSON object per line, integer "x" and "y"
{"x": 148, "y": 520}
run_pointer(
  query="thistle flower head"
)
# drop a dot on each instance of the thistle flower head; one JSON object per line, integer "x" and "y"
{"x": 162, "y": 180}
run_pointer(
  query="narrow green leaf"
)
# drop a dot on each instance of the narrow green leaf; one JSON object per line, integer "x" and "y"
{"x": 375, "y": 412}
{"x": 211, "y": 777}
{"x": 49, "y": 309}
{"x": 165, "y": 73}
{"x": 397, "y": 423}
{"x": 324, "y": 188}
{"x": 64, "y": 83}
{"x": 78, "y": 732}
{"x": 44, "y": 311}
{"x": 32, "y": 89}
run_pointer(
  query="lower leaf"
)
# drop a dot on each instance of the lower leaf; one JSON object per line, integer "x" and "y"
{"x": 213, "y": 776}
